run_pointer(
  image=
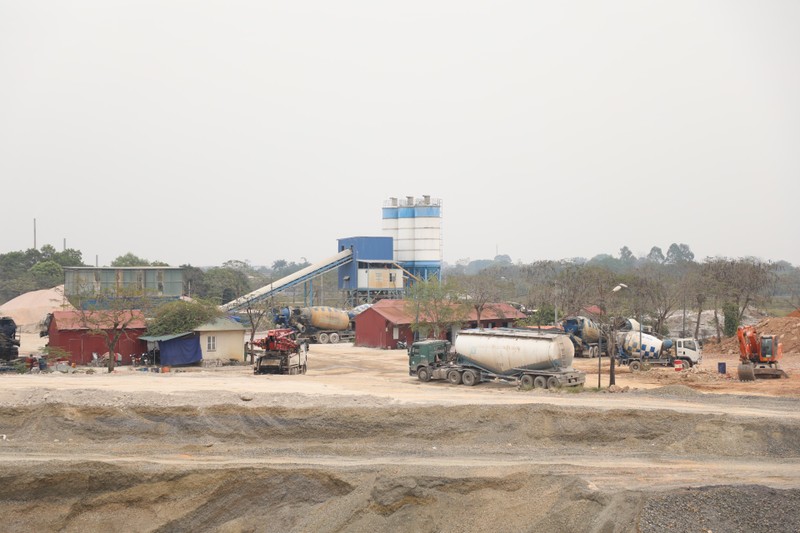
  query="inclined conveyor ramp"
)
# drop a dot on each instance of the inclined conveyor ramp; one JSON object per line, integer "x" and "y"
{"x": 301, "y": 276}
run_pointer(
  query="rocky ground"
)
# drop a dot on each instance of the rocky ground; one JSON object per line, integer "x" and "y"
{"x": 358, "y": 445}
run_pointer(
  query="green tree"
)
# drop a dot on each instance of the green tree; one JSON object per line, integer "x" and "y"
{"x": 730, "y": 313}
{"x": 679, "y": 253}
{"x": 129, "y": 260}
{"x": 225, "y": 284}
{"x": 47, "y": 274}
{"x": 180, "y": 316}
{"x": 435, "y": 307}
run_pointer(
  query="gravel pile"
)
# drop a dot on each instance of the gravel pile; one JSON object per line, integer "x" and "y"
{"x": 746, "y": 509}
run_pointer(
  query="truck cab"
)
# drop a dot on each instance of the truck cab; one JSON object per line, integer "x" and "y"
{"x": 427, "y": 353}
{"x": 689, "y": 351}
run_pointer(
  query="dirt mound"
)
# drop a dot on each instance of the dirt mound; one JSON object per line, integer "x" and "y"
{"x": 103, "y": 497}
{"x": 787, "y": 327}
{"x": 30, "y": 308}
{"x": 533, "y": 430}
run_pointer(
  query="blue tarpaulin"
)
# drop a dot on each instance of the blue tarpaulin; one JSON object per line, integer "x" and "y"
{"x": 181, "y": 351}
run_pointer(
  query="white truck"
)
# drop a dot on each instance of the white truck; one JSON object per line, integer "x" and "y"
{"x": 636, "y": 348}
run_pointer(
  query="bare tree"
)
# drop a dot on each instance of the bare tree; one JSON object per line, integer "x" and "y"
{"x": 481, "y": 291}
{"x": 112, "y": 315}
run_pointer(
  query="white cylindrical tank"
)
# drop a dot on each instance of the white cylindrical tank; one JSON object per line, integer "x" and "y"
{"x": 503, "y": 350}
{"x": 428, "y": 231}
{"x": 651, "y": 346}
{"x": 404, "y": 242}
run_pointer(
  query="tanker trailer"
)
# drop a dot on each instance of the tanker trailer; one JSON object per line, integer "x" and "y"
{"x": 318, "y": 324}
{"x": 527, "y": 358}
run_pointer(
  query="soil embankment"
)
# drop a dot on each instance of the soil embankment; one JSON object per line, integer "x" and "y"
{"x": 358, "y": 445}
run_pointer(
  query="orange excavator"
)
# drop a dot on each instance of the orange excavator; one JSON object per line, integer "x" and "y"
{"x": 758, "y": 355}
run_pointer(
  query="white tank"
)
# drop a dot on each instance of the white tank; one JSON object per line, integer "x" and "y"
{"x": 651, "y": 346}
{"x": 502, "y": 350}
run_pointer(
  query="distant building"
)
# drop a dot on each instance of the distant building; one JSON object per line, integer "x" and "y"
{"x": 156, "y": 283}
{"x": 222, "y": 339}
{"x": 389, "y": 321}
{"x": 219, "y": 340}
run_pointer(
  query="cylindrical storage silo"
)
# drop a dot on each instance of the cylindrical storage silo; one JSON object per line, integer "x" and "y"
{"x": 428, "y": 233}
{"x": 404, "y": 243}
{"x": 504, "y": 351}
{"x": 389, "y": 223}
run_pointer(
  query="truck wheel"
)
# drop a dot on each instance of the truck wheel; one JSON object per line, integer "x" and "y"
{"x": 323, "y": 338}
{"x": 635, "y": 366}
{"x": 553, "y": 383}
{"x": 454, "y": 377}
{"x": 469, "y": 378}
{"x": 526, "y": 382}
{"x": 334, "y": 338}
{"x": 686, "y": 363}
{"x": 539, "y": 382}
{"x": 593, "y": 352}
{"x": 423, "y": 374}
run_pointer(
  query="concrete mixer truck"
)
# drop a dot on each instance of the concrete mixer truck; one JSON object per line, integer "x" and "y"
{"x": 319, "y": 324}
{"x": 636, "y": 348}
{"x": 527, "y": 358}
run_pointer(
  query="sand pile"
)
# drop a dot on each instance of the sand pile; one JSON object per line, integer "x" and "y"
{"x": 30, "y": 308}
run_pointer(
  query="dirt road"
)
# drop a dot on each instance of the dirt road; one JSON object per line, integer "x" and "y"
{"x": 358, "y": 445}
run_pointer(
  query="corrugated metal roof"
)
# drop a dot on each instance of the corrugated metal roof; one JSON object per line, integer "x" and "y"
{"x": 221, "y": 324}
{"x": 159, "y": 338}
{"x": 85, "y": 320}
{"x": 397, "y": 312}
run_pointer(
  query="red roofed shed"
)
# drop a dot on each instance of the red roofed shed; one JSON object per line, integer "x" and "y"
{"x": 388, "y": 321}
{"x": 69, "y": 331}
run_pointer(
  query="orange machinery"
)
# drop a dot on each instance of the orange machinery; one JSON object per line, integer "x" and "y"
{"x": 758, "y": 355}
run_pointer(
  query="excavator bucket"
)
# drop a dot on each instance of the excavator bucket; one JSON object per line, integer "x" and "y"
{"x": 746, "y": 372}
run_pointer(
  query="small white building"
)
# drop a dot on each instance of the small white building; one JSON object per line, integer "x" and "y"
{"x": 222, "y": 339}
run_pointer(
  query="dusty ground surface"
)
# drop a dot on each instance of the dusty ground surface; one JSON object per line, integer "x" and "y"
{"x": 358, "y": 445}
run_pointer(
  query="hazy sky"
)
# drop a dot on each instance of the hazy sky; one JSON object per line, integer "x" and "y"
{"x": 197, "y": 132}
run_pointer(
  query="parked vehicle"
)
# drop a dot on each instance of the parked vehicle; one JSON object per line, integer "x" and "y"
{"x": 636, "y": 348}
{"x": 321, "y": 325}
{"x": 527, "y": 358}
{"x": 283, "y": 353}
{"x": 9, "y": 339}
{"x": 586, "y": 335}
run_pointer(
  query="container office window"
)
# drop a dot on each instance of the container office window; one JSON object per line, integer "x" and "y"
{"x": 211, "y": 343}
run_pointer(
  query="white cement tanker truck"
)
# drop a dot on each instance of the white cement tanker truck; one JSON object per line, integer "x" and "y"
{"x": 528, "y": 358}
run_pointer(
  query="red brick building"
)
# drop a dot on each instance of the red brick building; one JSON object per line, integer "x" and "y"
{"x": 389, "y": 321}
{"x": 70, "y": 331}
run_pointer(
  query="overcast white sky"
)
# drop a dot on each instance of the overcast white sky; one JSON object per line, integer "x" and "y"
{"x": 197, "y": 132}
